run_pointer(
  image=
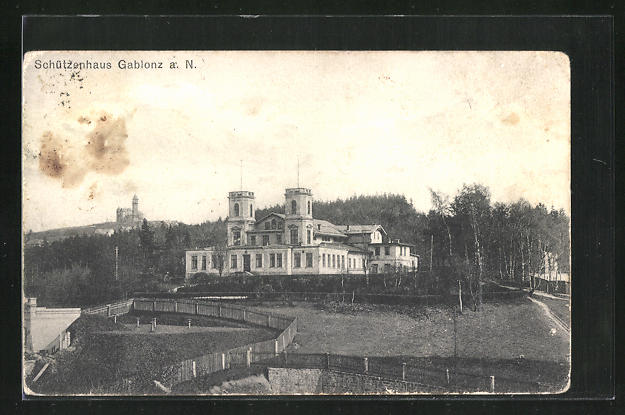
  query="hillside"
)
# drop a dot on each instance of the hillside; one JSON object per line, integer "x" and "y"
{"x": 58, "y": 234}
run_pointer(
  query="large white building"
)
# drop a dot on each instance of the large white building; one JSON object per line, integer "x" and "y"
{"x": 295, "y": 243}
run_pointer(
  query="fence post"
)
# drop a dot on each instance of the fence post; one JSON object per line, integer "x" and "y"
{"x": 492, "y": 384}
{"x": 152, "y": 326}
{"x": 153, "y": 305}
{"x": 197, "y": 308}
{"x": 223, "y": 361}
{"x": 275, "y": 348}
{"x": 243, "y": 314}
{"x": 219, "y": 310}
{"x": 194, "y": 369}
{"x": 108, "y": 310}
{"x": 154, "y": 319}
{"x": 403, "y": 371}
{"x": 268, "y": 320}
{"x": 366, "y": 362}
{"x": 137, "y": 322}
{"x": 175, "y": 306}
{"x": 115, "y": 319}
{"x": 248, "y": 357}
{"x": 189, "y": 322}
{"x": 447, "y": 375}
{"x": 327, "y": 360}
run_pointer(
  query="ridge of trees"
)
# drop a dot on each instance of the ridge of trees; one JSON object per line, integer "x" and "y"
{"x": 467, "y": 237}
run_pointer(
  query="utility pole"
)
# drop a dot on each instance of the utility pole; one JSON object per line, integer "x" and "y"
{"x": 431, "y": 251}
{"x": 116, "y": 262}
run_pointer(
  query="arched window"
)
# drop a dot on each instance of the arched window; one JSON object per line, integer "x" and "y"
{"x": 309, "y": 207}
{"x": 273, "y": 224}
{"x": 236, "y": 209}
{"x": 251, "y": 211}
{"x": 293, "y": 207}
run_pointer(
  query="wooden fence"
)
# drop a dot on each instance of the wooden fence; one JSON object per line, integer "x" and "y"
{"x": 214, "y": 362}
{"x": 108, "y": 310}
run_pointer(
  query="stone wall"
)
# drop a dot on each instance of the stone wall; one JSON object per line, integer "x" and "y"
{"x": 293, "y": 381}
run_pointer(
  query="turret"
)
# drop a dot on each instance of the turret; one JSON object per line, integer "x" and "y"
{"x": 240, "y": 216}
{"x": 135, "y": 207}
{"x": 299, "y": 220}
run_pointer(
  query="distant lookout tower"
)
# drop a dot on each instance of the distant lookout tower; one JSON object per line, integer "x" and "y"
{"x": 135, "y": 207}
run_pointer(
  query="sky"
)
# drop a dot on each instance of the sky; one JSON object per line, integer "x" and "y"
{"x": 358, "y": 122}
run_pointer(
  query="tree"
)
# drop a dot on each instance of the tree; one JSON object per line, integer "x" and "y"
{"x": 472, "y": 207}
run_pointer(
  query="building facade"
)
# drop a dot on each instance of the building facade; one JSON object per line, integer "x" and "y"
{"x": 294, "y": 243}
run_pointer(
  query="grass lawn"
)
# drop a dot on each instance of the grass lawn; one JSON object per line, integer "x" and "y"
{"x": 501, "y": 331}
{"x": 510, "y": 340}
{"x": 107, "y": 352}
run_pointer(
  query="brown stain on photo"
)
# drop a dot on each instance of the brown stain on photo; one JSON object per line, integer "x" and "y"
{"x": 104, "y": 152}
{"x": 511, "y": 119}
{"x": 106, "y": 145}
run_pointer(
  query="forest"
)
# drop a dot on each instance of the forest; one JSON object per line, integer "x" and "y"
{"x": 465, "y": 237}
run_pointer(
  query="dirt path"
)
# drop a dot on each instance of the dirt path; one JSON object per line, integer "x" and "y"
{"x": 562, "y": 324}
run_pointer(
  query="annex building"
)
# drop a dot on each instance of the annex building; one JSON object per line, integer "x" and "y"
{"x": 295, "y": 243}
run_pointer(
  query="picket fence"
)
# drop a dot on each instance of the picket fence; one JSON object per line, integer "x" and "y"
{"x": 109, "y": 310}
{"x": 238, "y": 356}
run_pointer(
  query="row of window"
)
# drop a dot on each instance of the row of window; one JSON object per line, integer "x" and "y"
{"x": 214, "y": 263}
{"x": 294, "y": 207}
{"x": 236, "y": 238}
{"x": 403, "y": 251}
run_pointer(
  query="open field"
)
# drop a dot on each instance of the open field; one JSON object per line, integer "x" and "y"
{"x": 501, "y": 331}
{"x": 106, "y": 352}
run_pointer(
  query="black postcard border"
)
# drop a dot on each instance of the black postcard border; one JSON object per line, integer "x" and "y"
{"x": 587, "y": 40}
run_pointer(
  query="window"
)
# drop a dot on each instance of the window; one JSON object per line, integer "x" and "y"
{"x": 333, "y": 261}
{"x": 251, "y": 211}
{"x": 236, "y": 237}
{"x": 236, "y": 209}
{"x": 387, "y": 267}
{"x": 278, "y": 238}
{"x": 279, "y": 225}
{"x": 194, "y": 262}
{"x": 273, "y": 224}
{"x": 308, "y": 236}
{"x": 204, "y": 262}
{"x": 253, "y": 240}
{"x": 309, "y": 207}
{"x": 297, "y": 259}
{"x": 308, "y": 260}
{"x": 265, "y": 240}
{"x": 363, "y": 264}
{"x": 272, "y": 260}
{"x": 233, "y": 262}
{"x": 267, "y": 225}
{"x": 343, "y": 261}
{"x": 293, "y": 207}
{"x": 279, "y": 260}
{"x": 323, "y": 260}
{"x": 374, "y": 268}
{"x": 294, "y": 236}
{"x": 214, "y": 261}
{"x": 349, "y": 263}
{"x": 387, "y": 250}
{"x": 377, "y": 251}
{"x": 259, "y": 260}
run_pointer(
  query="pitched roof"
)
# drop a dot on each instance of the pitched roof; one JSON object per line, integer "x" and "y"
{"x": 342, "y": 246}
{"x": 358, "y": 228}
{"x": 324, "y": 227}
{"x": 280, "y": 215}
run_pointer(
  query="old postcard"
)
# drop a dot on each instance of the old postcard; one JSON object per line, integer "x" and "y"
{"x": 296, "y": 222}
